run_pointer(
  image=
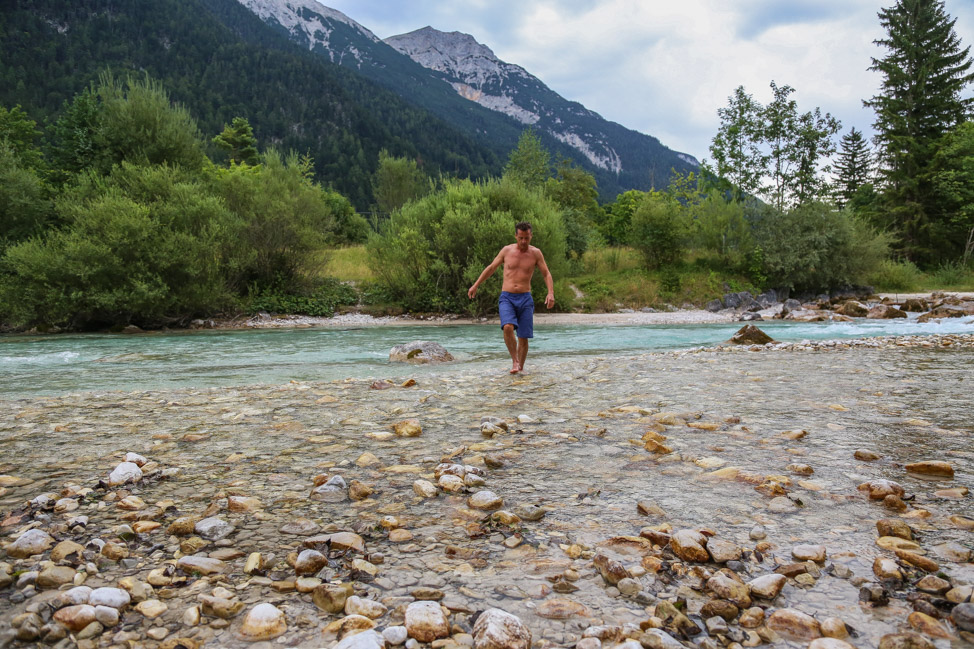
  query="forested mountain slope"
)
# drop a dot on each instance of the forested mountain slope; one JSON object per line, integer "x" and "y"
{"x": 221, "y": 61}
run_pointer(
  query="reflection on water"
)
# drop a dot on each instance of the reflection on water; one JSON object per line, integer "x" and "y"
{"x": 99, "y": 362}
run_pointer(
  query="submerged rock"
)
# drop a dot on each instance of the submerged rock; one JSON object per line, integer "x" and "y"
{"x": 420, "y": 351}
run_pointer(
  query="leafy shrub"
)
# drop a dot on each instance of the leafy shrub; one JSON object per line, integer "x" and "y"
{"x": 952, "y": 274}
{"x": 659, "y": 230}
{"x": 122, "y": 257}
{"x": 720, "y": 227}
{"x": 429, "y": 253}
{"x": 322, "y": 301}
{"x": 892, "y": 275}
{"x": 286, "y": 220}
{"x": 815, "y": 247}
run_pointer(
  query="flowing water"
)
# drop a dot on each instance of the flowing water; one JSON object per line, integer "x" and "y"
{"x": 587, "y": 399}
{"x": 98, "y": 362}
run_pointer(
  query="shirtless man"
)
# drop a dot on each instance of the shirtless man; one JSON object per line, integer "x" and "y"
{"x": 516, "y": 304}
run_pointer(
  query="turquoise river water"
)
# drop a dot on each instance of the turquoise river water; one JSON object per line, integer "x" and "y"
{"x": 58, "y": 364}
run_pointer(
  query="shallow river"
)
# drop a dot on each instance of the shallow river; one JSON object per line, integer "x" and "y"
{"x": 96, "y": 362}
{"x": 577, "y": 454}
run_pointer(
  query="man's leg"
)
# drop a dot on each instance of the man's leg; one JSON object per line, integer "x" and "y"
{"x": 522, "y": 351}
{"x": 512, "y": 347}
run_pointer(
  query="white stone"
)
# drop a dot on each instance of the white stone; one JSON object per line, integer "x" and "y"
{"x": 78, "y": 595}
{"x": 369, "y": 608}
{"x": 497, "y": 629}
{"x": 369, "y": 639}
{"x": 395, "y": 634}
{"x": 113, "y": 597}
{"x": 263, "y": 622}
{"x": 31, "y": 542}
{"x": 124, "y": 473}
{"x": 107, "y": 616}
{"x": 426, "y": 622}
{"x": 137, "y": 459}
{"x": 213, "y": 528}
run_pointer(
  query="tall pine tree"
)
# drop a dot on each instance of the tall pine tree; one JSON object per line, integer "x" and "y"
{"x": 925, "y": 71}
{"x": 852, "y": 166}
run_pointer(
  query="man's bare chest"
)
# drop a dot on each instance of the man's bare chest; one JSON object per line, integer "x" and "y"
{"x": 519, "y": 262}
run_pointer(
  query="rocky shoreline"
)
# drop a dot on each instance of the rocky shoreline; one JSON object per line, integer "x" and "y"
{"x": 732, "y": 308}
{"x": 680, "y": 499}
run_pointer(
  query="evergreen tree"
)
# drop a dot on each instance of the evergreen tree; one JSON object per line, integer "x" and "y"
{"x": 852, "y": 167}
{"x": 530, "y": 162}
{"x": 924, "y": 72}
{"x": 72, "y": 148}
{"x": 238, "y": 140}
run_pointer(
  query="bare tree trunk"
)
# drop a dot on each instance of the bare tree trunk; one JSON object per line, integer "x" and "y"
{"x": 969, "y": 246}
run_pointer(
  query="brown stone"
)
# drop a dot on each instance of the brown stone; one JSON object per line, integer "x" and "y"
{"x": 750, "y": 335}
{"x": 794, "y": 625}
{"x": 914, "y": 559}
{"x": 894, "y": 527}
{"x": 932, "y": 468}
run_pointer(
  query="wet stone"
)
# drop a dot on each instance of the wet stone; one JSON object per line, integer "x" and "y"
{"x": 894, "y": 527}
{"x": 815, "y": 553}
{"x": 263, "y": 622}
{"x": 497, "y": 629}
{"x": 213, "y": 529}
{"x": 794, "y": 624}
{"x": 905, "y": 641}
{"x": 485, "y": 500}
{"x": 29, "y": 543}
{"x": 426, "y": 622}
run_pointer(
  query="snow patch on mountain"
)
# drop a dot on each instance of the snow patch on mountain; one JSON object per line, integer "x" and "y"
{"x": 311, "y": 21}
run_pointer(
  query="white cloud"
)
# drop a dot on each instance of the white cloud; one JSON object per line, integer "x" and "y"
{"x": 664, "y": 68}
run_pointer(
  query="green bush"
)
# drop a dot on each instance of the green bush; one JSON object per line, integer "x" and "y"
{"x": 322, "y": 301}
{"x": 120, "y": 260}
{"x": 431, "y": 251}
{"x": 892, "y": 275}
{"x": 286, "y": 220}
{"x": 659, "y": 230}
{"x": 815, "y": 247}
{"x": 950, "y": 274}
{"x": 721, "y": 228}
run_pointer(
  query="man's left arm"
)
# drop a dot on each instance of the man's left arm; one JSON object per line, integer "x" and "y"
{"x": 549, "y": 282}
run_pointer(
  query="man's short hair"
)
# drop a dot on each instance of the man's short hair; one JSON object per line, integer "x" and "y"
{"x": 523, "y": 225}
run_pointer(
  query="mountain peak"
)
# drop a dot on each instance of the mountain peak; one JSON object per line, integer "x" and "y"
{"x": 306, "y": 20}
{"x": 455, "y": 44}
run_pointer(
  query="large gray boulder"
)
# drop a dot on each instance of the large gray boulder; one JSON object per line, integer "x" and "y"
{"x": 420, "y": 351}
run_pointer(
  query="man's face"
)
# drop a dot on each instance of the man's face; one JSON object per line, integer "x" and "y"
{"x": 523, "y": 239}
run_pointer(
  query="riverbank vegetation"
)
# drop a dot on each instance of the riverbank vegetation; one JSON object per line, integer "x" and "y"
{"x": 121, "y": 211}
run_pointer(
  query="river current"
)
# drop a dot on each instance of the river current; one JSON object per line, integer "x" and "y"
{"x": 57, "y": 364}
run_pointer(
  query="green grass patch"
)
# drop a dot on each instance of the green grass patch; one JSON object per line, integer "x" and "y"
{"x": 905, "y": 277}
{"x": 348, "y": 264}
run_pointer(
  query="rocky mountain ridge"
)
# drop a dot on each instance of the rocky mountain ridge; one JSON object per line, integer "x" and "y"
{"x": 463, "y": 82}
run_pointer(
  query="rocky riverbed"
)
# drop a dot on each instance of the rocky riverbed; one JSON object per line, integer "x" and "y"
{"x": 801, "y": 495}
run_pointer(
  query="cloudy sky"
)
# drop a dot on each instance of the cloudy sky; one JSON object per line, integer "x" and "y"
{"x": 664, "y": 68}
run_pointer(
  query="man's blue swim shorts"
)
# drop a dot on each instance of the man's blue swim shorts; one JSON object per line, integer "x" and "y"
{"x": 518, "y": 309}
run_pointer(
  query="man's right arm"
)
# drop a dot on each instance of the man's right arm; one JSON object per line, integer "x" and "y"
{"x": 491, "y": 267}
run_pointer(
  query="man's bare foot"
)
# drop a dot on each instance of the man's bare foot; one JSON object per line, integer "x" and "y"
{"x": 515, "y": 369}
